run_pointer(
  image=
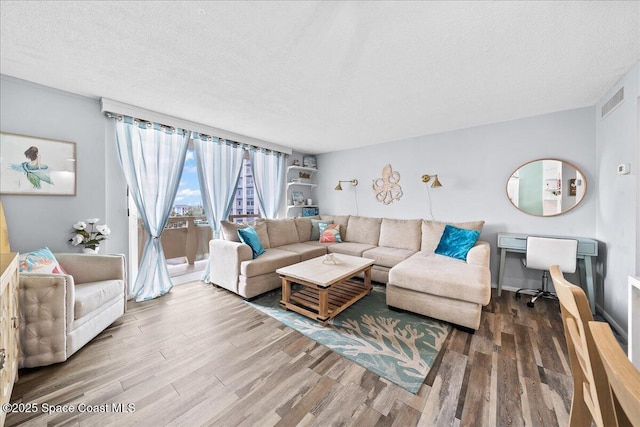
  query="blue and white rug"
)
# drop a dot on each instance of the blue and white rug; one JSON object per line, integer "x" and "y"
{"x": 400, "y": 347}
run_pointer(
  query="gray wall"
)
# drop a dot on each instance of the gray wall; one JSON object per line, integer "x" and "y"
{"x": 474, "y": 166}
{"x": 618, "y": 216}
{"x": 37, "y": 221}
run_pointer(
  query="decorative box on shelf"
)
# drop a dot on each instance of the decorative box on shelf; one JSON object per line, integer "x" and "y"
{"x": 309, "y": 211}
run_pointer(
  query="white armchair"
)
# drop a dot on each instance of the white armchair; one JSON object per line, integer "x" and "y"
{"x": 60, "y": 313}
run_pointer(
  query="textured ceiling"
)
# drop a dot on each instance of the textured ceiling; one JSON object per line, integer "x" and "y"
{"x": 325, "y": 76}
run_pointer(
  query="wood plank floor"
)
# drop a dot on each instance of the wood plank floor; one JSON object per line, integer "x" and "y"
{"x": 201, "y": 356}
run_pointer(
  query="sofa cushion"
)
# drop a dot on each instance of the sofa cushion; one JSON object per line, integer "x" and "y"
{"x": 329, "y": 233}
{"x": 282, "y": 232}
{"x": 230, "y": 231}
{"x": 304, "y": 250}
{"x": 248, "y": 236}
{"x": 387, "y": 257}
{"x": 363, "y": 230}
{"x": 443, "y": 276}
{"x": 349, "y": 248}
{"x": 261, "y": 229}
{"x": 432, "y": 232}
{"x": 400, "y": 233}
{"x": 303, "y": 226}
{"x": 343, "y": 220}
{"x": 456, "y": 242}
{"x": 92, "y": 295}
{"x": 318, "y": 244}
{"x": 315, "y": 227}
{"x": 268, "y": 262}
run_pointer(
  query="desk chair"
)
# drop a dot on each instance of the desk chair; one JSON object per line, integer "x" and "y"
{"x": 591, "y": 398}
{"x": 542, "y": 253}
{"x": 623, "y": 377}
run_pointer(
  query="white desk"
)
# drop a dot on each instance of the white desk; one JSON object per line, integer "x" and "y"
{"x": 587, "y": 252}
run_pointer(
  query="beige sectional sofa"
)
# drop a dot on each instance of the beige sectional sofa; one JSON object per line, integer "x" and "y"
{"x": 417, "y": 279}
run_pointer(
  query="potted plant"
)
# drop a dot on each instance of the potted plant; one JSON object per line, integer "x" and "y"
{"x": 89, "y": 234}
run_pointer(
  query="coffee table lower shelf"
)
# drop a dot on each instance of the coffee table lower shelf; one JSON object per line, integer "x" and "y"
{"x": 309, "y": 299}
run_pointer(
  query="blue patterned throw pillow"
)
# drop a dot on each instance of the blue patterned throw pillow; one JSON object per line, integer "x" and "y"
{"x": 329, "y": 233}
{"x": 40, "y": 261}
{"x": 456, "y": 242}
{"x": 315, "y": 227}
{"x": 249, "y": 236}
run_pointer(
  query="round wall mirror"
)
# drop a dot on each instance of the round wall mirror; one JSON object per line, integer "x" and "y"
{"x": 546, "y": 187}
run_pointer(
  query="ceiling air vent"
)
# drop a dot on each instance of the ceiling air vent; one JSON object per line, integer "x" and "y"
{"x": 613, "y": 102}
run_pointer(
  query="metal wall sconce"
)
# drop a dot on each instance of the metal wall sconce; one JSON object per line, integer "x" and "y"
{"x": 353, "y": 182}
{"x": 436, "y": 182}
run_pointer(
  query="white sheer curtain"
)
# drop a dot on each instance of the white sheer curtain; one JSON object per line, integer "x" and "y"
{"x": 152, "y": 158}
{"x": 269, "y": 169}
{"x": 219, "y": 164}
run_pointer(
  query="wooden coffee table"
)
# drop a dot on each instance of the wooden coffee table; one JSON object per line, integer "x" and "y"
{"x": 326, "y": 288}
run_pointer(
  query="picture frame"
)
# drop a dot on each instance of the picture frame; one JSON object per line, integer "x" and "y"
{"x": 37, "y": 166}
{"x": 309, "y": 161}
{"x": 297, "y": 197}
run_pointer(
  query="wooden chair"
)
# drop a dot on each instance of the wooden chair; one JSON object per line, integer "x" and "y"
{"x": 591, "y": 398}
{"x": 624, "y": 378}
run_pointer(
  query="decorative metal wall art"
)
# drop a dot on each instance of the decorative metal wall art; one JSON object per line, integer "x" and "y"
{"x": 387, "y": 188}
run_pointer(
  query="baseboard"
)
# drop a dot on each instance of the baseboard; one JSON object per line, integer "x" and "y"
{"x": 508, "y": 288}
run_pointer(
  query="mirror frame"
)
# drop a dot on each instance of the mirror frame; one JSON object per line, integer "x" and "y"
{"x": 584, "y": 177}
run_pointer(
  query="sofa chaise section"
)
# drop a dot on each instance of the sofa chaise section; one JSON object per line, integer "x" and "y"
{"x": 442, "y": 287}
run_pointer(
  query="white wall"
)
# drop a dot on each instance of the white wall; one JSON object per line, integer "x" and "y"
{"x": 474, "y": 166}
{"x": 36, "y": 221}
{"x": 617, "y": 215}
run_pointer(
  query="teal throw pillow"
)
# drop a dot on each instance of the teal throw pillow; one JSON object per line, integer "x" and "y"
{"x": 249, "y": 236}
{"x": 315, "y": 227}
{"x": 456, "y": 242}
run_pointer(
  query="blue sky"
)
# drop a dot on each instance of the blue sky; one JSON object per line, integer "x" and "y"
{"x": 189, "y": 190}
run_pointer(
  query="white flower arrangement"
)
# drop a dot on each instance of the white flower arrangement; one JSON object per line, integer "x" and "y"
{"x": 89, "y": 233}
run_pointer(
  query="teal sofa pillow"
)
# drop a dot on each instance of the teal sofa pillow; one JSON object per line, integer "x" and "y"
{"x": 456, "y": 242}
{"x": 249, "y": 236}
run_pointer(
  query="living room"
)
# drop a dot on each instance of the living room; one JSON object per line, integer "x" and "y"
{"x": 486, "y": 141}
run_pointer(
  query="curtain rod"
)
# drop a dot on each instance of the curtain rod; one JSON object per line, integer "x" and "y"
{"x": 119, "y": 108}
{"x": 121, "y": 117}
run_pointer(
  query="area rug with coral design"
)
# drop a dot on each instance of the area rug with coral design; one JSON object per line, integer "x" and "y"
{"x": 398, "y": 346}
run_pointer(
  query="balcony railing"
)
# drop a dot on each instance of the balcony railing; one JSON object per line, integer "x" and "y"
{"x": 185, "y": 241}
{"x": 243, "y": 218}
